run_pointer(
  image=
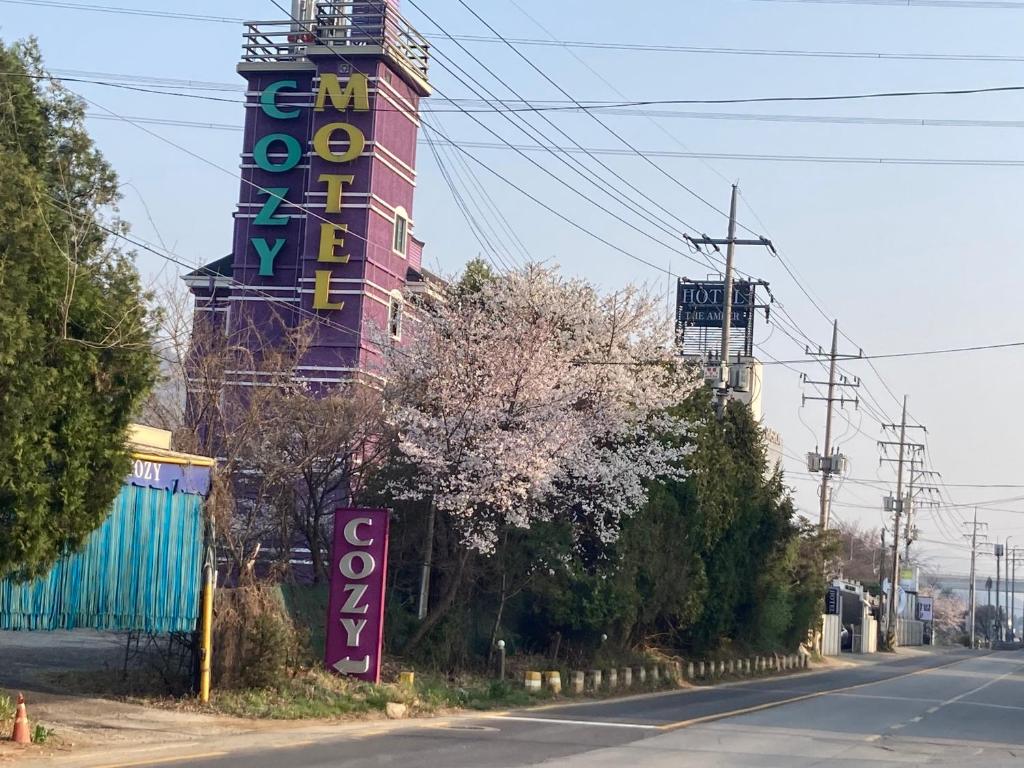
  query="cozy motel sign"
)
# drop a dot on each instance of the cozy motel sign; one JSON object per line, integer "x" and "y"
{"x": 355, "y": 612}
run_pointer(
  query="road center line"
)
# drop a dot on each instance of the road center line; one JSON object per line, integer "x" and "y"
{"x": 813, "y": 695}
{"x": 159, "y": 760}
{"x": 598, "y": 723}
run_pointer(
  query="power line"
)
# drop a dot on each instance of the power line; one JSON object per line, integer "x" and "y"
{"x": 973, "y": 4}
{"x": 600, "y": 122}
{"x": 123, "y": 10}
{"x": 549, "y": 106}
{"x": 924, "y": 353}
{"x": 727, "y": 51}
{"x": 552, "y": 149}
{"x": 827, "y": 159}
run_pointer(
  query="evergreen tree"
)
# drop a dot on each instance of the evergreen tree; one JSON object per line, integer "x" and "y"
{"x": 75, "y": 341}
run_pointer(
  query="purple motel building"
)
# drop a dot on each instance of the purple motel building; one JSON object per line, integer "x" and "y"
{"x": 324, "y": 229}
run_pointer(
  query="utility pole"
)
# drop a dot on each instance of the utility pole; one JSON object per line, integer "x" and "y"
{"x": 1006, "y": 585}
{"x": 897, "y": 505}
{"x": 830, "y": 463}
{"x": 1010, "y": 589}
{"x": 974, "y": 556}
{"x": 730, "y": 244}
{"x": 999, "y": 617}
{"x": 988, "y": 604}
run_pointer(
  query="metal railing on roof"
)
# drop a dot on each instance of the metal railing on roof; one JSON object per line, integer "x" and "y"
{"x": 350, "y": 26}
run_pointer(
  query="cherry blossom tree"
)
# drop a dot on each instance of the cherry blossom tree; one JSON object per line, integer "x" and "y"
{"x": 529, "y": 399}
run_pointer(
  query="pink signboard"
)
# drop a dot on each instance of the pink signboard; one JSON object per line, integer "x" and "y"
{"x": 355, "y": 613}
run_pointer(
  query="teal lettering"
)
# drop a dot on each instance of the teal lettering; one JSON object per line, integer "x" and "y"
{"x": 261, "y": 153}
{"x": 267, "y": 254}
{"x": 268, "y": 100}
{"x": 266, "y": 217}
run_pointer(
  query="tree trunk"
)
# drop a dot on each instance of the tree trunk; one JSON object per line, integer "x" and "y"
{"x": 443, "y": 606}
{"x": 497, "y": 619}
{"x": 428, "y": 554}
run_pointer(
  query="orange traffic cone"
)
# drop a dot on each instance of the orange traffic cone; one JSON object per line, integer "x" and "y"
{"x": 21, "y": 733}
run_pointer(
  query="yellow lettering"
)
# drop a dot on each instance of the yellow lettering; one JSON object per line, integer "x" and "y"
{"x": 335, "y": 189}
{"x": 323, "y": 138}
{"x": 331, "y": 238}
{"x": 321, "y": 294}
{"x": 330, "y": 88}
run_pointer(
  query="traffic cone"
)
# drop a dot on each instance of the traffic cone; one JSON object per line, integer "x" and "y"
{"x": 21, "y": 733}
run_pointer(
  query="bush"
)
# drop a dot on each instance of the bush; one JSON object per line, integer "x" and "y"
{"x": 255, "y": 642}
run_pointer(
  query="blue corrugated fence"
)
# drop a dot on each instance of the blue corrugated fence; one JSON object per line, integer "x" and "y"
{"x": 140, "y": 570}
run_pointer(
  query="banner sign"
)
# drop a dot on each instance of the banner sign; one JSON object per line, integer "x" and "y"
{"x": 702, "y": 304}
{"x": 355, "y": 613}
{"x": 925, "y": 609}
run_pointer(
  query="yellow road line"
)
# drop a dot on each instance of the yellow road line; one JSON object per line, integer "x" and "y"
{"x": 159, "y": 760}
{"x": 804, "y": 697}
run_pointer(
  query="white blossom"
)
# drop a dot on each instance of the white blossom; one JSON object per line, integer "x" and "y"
{"x": 535, "y": 399}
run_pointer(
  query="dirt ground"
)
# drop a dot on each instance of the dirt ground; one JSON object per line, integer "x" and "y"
{"x": 34, "y": 662}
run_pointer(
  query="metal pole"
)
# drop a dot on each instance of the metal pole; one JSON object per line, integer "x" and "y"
{"x": 974, "y": 590}
{"x": 206, "y": 648}
{"x": 894, "y": 587}
{"x": 826, "y": 470}
{"x": 730, "y": 248}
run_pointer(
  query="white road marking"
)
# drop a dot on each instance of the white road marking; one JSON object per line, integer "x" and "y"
{"x": 598, "y": 723}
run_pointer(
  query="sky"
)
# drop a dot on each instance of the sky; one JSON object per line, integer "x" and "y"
{"x": 906, "y": 256}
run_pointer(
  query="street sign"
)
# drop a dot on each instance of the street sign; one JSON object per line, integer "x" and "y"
{"x": 355, "y": 613}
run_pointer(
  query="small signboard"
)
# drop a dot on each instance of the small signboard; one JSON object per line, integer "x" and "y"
{"x": 925, "y": 609}
{"x": 174, "y": 477}
{"x": 355, "y": 612}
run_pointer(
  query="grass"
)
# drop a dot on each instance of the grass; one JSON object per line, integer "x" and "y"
{"x": 318, "y": 694}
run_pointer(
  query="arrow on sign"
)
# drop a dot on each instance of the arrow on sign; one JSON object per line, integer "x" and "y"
{"x": 353, "y": 666}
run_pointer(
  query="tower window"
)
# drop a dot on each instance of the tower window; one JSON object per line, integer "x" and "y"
{"x": 401, "y": 231}
{"x": 395, "y": 316}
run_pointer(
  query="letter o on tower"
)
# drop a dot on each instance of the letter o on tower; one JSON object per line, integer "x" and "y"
{"x": 323, "y": 138}
{"x": 350, "y": 569}
{"x": 261, "y": 153}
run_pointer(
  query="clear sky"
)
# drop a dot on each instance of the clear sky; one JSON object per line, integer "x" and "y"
{"x": 906, "y": 256}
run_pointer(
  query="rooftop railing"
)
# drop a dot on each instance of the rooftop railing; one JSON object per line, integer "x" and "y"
{"x": 348, "y": 26}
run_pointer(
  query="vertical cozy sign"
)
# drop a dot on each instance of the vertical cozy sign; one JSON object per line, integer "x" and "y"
{"x": 355, "y": 613}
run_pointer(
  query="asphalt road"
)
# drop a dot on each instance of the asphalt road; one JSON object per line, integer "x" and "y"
{"x": 957, "y": 709}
